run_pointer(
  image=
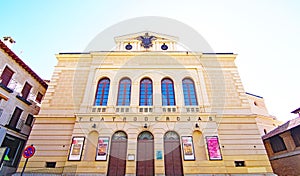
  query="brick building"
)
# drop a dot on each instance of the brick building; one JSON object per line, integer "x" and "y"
{"x": 283, "y": 147}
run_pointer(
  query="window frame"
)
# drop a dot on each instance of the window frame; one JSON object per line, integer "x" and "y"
{"x": 102, "y": 95}
{"x": 39, "y": 97}
{"x": 146, "y": 92}
{"x": 29, "y": 120}
{"x": 277, "y": 144}
{"x": 26, "y": 90}
{"x": 4, "y": 73}
{"x": 168, "y": 92}
{"x": 190, "y": 95}
{"x": 124, "y": 92}
{"x": 15, "y": 117}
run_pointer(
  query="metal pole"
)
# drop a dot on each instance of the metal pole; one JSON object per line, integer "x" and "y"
{"x": 24, "y": 166}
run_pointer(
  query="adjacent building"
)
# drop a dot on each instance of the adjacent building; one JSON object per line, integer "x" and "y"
{"x": 147, "y": 108}
{"x": 21, "y": 92}
{"x": 283, "y": 147}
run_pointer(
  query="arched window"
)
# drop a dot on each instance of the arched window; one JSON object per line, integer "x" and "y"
{"x": 102, "y": 92}
{"x": 189, "y": 92}
{"x": 146, "y": 92}
{"x": 124, "y": 92}
{"x": 167, "y": 90}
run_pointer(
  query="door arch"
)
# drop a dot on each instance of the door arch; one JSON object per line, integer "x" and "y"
{"x": 117, "y": 155}
{"x": 145, "y": 154}
{"x": 172, "y": 154}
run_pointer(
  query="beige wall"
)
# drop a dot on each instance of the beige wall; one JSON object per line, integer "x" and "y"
{"x": 223, "y": 108}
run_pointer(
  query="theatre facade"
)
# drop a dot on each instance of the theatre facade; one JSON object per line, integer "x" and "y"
{"x": 147, "y": 108}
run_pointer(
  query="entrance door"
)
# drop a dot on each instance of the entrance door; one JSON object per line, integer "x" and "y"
{"x": 145, "y": 154}
{"x": 117, "y": 156}
{"x": 172, "y": 154}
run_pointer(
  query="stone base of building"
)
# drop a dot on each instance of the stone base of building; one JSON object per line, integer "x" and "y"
{"x": 91, "y": 174}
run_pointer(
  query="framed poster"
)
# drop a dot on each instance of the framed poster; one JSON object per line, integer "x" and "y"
{"x": 102, "y": 148}
{"x": 76, "y": 149}
{"x": 213, "y": 147}
{"x": 188, "y": 148}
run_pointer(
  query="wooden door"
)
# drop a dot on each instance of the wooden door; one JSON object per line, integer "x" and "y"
{"x": 172, "y": 154}
{"x": 117, "y": 156}
{"x": 145, "y": 155}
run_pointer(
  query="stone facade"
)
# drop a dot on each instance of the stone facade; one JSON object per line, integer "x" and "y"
{"x": 225, "y": 135}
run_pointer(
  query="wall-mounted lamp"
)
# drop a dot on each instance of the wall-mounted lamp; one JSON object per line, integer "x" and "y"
{"x": 145, "y": 126}
{"x": 94, "y": 125}
{"x": 196, "y": 125}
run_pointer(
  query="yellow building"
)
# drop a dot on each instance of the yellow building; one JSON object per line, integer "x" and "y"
{"x": 144, "y": 109}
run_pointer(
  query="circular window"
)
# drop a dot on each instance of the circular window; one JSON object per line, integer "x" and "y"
{"x": 128, "y": 46}
{"x": 164, "y": 47}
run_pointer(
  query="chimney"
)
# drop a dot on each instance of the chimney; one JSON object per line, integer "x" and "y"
{"x": 296, "y": 111}
{"x": 8, "y": 41}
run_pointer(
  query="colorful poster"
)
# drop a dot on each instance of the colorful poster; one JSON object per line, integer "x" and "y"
{"x": 76, "y": 149}
{"x": 102, "y": 148}
{"x": 213, "y": 148}
{"x": 188, "y": 148}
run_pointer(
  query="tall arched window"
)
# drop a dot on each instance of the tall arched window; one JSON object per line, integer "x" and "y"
{"x": 189, "y": 92}
{"x": 124, "y": 92}
{"x": 167, "y": 90}
{"x": 146, "y": 92}
{"x": 102, "y": 92}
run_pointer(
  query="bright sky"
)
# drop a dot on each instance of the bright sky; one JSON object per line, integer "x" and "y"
{"x": 264, "y": 33}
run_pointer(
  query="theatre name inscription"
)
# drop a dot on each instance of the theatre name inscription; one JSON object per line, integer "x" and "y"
{"x": 86, "y": 118}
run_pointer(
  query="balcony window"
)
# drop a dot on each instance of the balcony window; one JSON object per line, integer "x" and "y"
{"x": 39, "y": 97}
{"x": 6, "y": 76}
{"x": 15, "y": 117}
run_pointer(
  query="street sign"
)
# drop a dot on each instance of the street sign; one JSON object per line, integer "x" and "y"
{"x": 29, "y": 151}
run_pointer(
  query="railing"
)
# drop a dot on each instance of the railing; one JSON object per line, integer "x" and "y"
{"x": 146, "y": 109}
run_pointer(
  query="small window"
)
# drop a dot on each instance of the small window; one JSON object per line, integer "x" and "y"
{"x": 39, "y": 97}
{"x": 239, "y": 163}
{"x": 277, "y": 144}
{"x": 6, "y": 76}
{"x": 50, "y": 164}
{"x": 29, "y": 120}
{"x": 295, "y": 132}
{"x": 26, "y": 90}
